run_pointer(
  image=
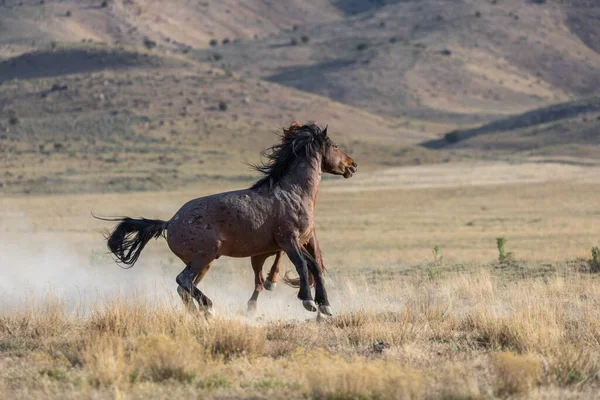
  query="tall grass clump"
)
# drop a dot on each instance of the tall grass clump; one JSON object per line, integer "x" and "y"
{"x": 515, "y": 374}
{"x": 331, "y": 377}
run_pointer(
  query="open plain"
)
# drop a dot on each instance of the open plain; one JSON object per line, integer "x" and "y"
{"x": 462, "y": 259}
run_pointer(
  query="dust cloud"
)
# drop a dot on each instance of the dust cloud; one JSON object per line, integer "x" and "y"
{"x": 50, "y": 267}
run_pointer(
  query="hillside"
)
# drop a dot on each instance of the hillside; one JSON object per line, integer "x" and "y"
{"x": 464, "y": 61}
{"x": 570, "y": 130}
{"x": 103, "y": 119}
{"x": 126, "y": 95}
{"x": 459, "y": 60}
{"x": 183, "y": 24}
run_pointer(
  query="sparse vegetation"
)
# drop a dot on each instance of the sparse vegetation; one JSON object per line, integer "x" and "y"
{"x": 149, "y": 43}
{"x": 13, "y": 119}
{"x": 503, "y": 256}
{"x": 133, "y": 345}
{"x": 452, "y": 137}
{"x": 515, "y": 374}
{"x": 595, "y": 260}
{"x": 122, "y": 129}
{"x": 438, "y": 257}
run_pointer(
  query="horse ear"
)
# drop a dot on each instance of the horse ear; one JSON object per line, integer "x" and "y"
{"x": 292, "y": 129}
{"x": 325, "y": 131}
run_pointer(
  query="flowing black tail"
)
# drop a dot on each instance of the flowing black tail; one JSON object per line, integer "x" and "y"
{"x": 129, "y": 238}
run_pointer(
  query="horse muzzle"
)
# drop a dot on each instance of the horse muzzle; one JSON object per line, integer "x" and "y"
{"x": 350, "y": 170}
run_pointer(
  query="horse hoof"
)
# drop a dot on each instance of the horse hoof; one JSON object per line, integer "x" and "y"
{"x": 309, "y": 305}
{"x": 268, "y": 285}
{"x": 325, "y": 310}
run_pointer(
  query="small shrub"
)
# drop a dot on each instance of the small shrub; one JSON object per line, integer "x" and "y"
{"x": 503, "y": 257}
{"x": 217, "y": 57}
{"x": 446, "y": 52}
{"x": 362, "y": 46}
{"x": 13, "y": 119}
{"x": 478, "y": 14}
{"x": 595, "y": 260}
{"x": 226, "y": 41}
{"x": 515, "y": 374}
{"x": 213, "y": 42}
{"x": 150, "y": 44}
{"x": 104, "y": 4}
{"x": 438, "y": 257}
{"x": 222, "y": 106}
{"x": 452, "y": 137}
{"x": 305, "y": 39}
{"x": 68, "y": 13}
{"x": 294, "y": 42}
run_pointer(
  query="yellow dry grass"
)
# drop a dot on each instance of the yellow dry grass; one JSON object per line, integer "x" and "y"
{"x": 460, "y": 336}
{"x": 408, "y": 324}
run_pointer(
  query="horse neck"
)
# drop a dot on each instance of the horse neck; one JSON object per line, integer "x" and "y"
{"x": 304, "y": 178}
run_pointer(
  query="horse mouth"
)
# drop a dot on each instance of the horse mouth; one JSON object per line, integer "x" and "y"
{"x": 349, "y": 171}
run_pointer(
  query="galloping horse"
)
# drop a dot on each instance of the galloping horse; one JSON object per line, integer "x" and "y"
{"x": 275, "y": 215}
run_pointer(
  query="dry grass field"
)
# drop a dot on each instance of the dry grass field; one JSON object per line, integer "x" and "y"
{"x": 408, "y": 323}
{"x": 462, "y": 259}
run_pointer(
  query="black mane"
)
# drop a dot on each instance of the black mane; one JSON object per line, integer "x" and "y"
{"x": 296, "y": 141}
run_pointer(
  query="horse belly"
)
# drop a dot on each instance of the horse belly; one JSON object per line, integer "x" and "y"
{"x": 247, "y": 242}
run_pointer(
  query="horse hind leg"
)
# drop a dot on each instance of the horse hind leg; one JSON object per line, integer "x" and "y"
{"x": 271, "y": 281}
{"x": 190, "y": 277}
{"x": 257, "y": 266}
{"x": 188, "y": 300}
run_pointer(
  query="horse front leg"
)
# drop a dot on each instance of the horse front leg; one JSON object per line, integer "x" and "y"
{"x": 292, "y": 249}
{"x": 316, "y": 268}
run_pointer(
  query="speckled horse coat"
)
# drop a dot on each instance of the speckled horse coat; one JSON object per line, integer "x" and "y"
{"x": 275, "y": 215}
